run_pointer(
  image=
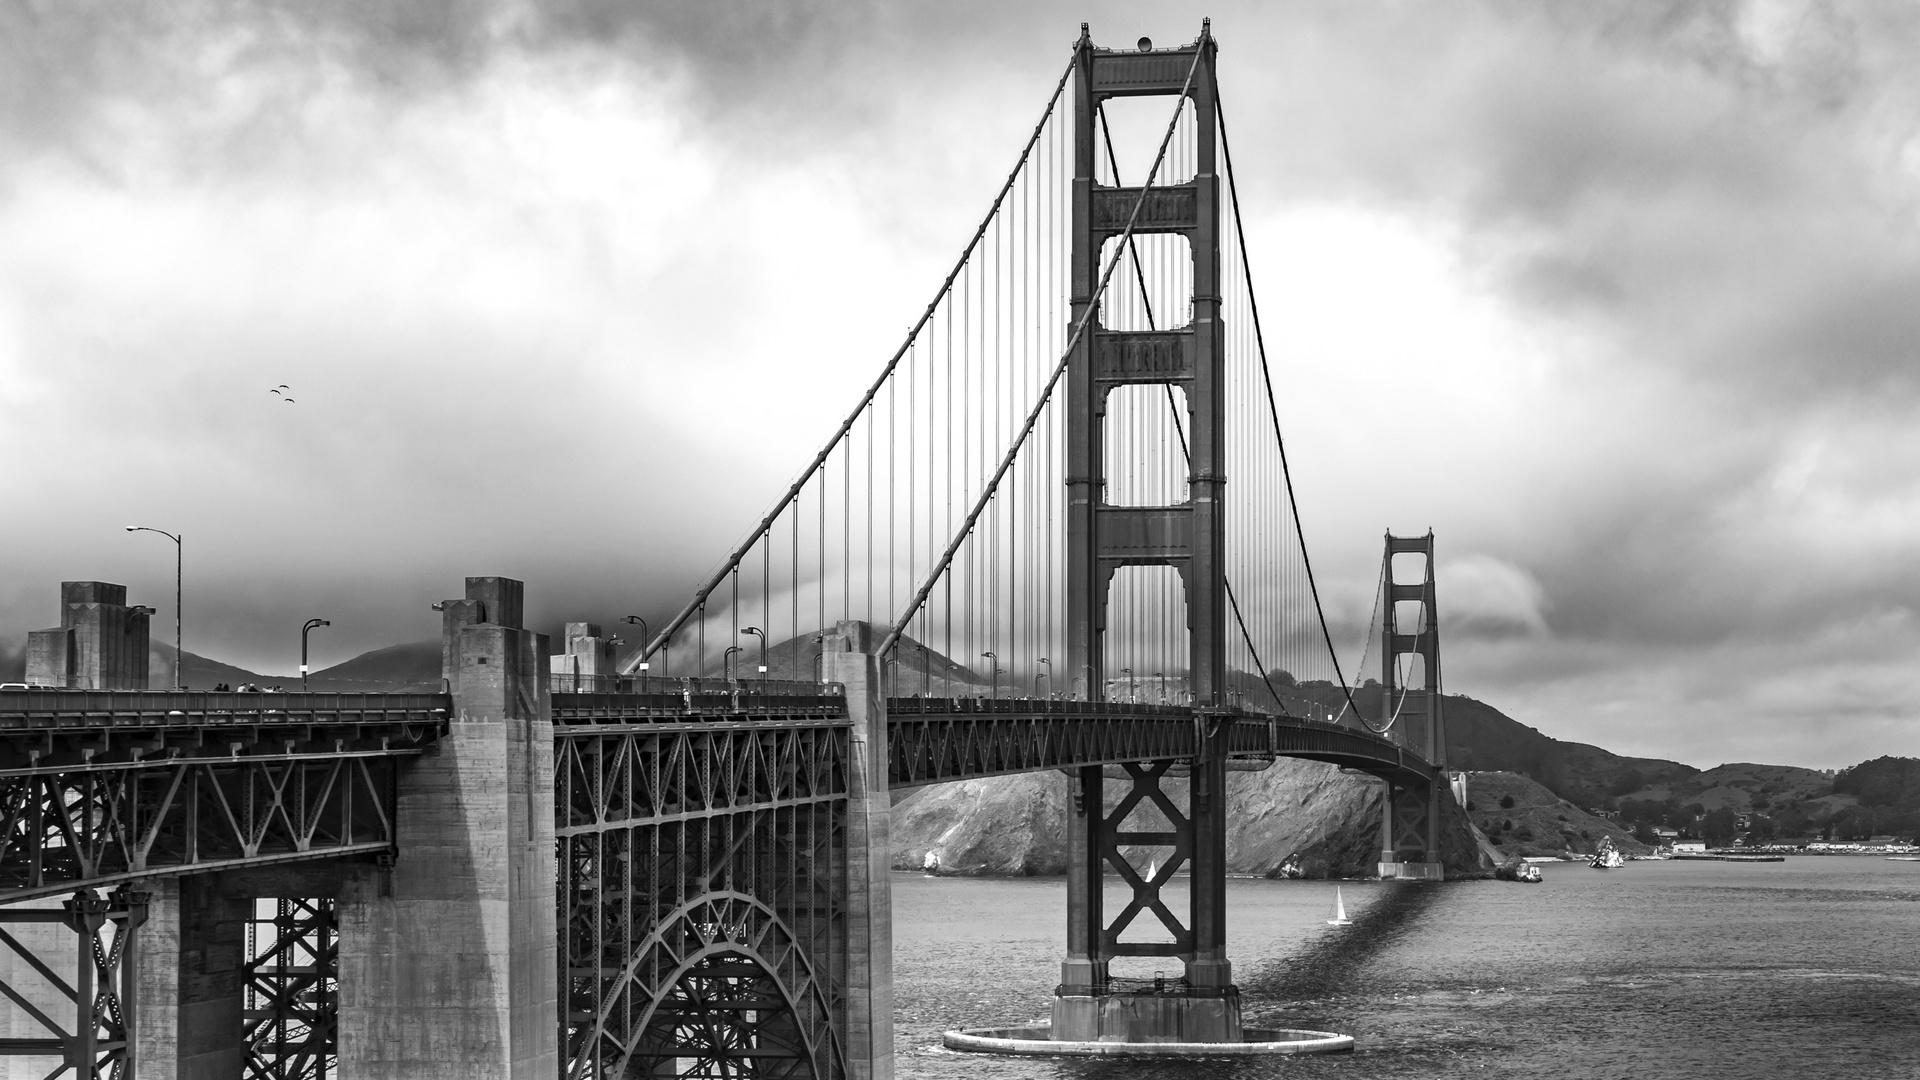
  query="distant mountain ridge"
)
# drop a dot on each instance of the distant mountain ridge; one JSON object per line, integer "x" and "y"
{"x": 1481, "y": 738}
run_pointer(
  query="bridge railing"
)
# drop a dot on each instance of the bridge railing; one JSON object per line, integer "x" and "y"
{"x": 30, "y": 709}
{"x": 570, "y": 683}
{"x": 945, "y": 706}
{"x": 669, "y": 700}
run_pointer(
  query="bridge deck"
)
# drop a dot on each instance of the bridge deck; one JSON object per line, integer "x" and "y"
{"x": 937, "y": 739}
{"x": 100, "y": 787}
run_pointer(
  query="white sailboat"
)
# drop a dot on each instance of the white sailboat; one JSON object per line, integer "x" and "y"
{"x": 1339, "y": 910}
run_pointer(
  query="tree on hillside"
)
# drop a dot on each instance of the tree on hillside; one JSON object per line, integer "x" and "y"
{"x": 1651, "y": 811}
{"x": 1629, "y": 781}
{"x": 1644, "y": 833}
{"x": 1718, "y": 827}
{"x": 1885, "y": 781}
{"x": 1792, "y": 822}
{"x": 1506, "y": 802}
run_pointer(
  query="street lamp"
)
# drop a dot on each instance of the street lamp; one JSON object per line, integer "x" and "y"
{"x": 993, "y": 673}
{"x": 1162, "y": 680}
{"x": 1128, "y": 672}
{"x": 1047, "y": 675}
{"x": 726, "y": 659}
{"x": 819, "y": 670}
{"x": 762, "y": 635}
{"x": 175, "y": 537}
{"x": 645, "y": 638}
{"x": 304, "y": 630}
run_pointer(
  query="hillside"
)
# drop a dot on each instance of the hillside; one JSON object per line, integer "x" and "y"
{"x": 1524, "y": 818}
{"x": 1743, "y": 787}
{"x": 410, "y": 668}
{"x": 1482, "y": 738}
{"x": 200, "y": 673}
{"x": 1313, "y": 812}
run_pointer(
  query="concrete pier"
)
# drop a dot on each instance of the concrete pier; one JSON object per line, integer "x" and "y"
{"x": 448, "y": 960}
{"x": 869, "y": 889}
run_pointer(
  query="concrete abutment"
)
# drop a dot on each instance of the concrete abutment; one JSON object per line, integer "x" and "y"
{"x": 448, "y": 960}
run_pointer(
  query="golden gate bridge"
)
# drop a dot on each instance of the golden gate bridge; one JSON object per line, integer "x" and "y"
{"x": 1067, "y": 484}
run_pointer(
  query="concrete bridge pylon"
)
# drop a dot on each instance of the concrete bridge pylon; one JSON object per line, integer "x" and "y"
{"x": 448, "y": 958}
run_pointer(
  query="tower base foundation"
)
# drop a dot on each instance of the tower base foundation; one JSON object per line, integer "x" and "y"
{"x": 1148, "y": 1017}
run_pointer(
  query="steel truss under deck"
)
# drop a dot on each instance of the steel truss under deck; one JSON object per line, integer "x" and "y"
{"x": 703, "y": 897}
{"x": 92, "y": 1040}
{"x": 98, "y": 788}
{"x": 292, "y": 1006}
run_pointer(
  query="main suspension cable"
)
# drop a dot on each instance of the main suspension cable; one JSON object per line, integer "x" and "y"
{"x": 1053, "y": 380}
{"x": 1273, "y": 410}
{"x": 732, "y": 562}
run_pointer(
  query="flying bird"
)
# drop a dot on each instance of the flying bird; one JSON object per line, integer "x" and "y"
{"x": 276, "y": 391}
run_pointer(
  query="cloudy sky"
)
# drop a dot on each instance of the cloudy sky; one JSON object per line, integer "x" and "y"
{"x": 1618, "y": 298}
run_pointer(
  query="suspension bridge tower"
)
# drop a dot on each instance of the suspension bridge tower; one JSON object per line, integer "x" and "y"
{"x": 1410, "y": 812}
{"x": 1189, "y": 537}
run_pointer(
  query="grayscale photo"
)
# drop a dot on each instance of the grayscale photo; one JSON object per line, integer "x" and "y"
{"x": 843, "y": 540}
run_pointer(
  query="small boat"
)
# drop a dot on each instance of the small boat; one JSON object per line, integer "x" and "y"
{"x": 1339, "y": 910}
{"x": 1518, "y": 870}
{"x": 931, "y": 864}
{"x": 1606, "y": 856}
{"x": 1903, "y": 858}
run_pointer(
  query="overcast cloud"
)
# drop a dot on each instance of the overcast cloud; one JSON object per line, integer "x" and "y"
{"x": 1617, "y": 298}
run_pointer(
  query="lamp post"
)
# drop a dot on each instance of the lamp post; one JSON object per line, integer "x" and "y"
{"x": 1162, "y": 680}
{"x": 762, "y": 635}
{"x": 1128, "y": 672}
{"x": 819, "y": 672}
{"x": 645, "y": 639}
{"x": 726, "y": 659}
{"x": 993, "y": 672}
{"x": 1047, "y": 675}
{"x": 304, "y": 631}
{"x": 891, "y": 660}
{"x": 175, "y": 537}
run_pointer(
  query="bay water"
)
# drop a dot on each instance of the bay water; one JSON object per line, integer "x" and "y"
{"x": 1803, "y": 969}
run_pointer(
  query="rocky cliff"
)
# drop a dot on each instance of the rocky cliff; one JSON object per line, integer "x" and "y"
{"x": 1305, "y": 810}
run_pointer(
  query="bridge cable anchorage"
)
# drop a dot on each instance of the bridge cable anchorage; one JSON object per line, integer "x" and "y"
{"x": 1266, "y": 373}
{"x": 732, "y": 562}
{"x": 1173, "y": 405}
{"x": 1060, "y": 368}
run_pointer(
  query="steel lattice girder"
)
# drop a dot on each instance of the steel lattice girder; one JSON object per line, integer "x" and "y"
{"x": 292, "y": 995}
{"x": 65, "y": 830}
{"x": 703, "y": 863}
{"x": 103, "y": 994}
{"x": 1176, "y": 838}
{"x": 1411, "y": 816}
{"x": 932, "y": 741}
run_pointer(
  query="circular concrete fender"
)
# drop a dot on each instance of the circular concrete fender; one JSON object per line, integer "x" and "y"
{"x": 1034, "y": 1040}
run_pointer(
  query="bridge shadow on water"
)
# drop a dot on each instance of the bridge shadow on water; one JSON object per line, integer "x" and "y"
{"x": 1333, "y": 956}
{"x": 1327, "y": 965}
